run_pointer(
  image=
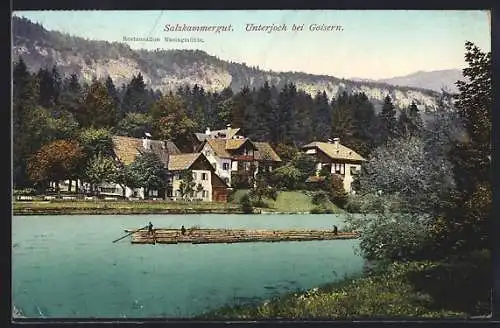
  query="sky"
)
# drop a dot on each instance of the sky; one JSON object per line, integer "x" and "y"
{"x": 372, "y": 44}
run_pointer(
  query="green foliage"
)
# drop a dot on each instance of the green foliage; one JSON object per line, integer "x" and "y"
{"x": 263, "y": 189}
{"x": 402, "y": 166}
{"x": 465, "y": 223}
{"x": 285, "y": 152}
{"x": 393, "y": 236}
{"x": 148, "y": 172}
{"x": 187, "y": 186}
{"x": 136, "y": 97}
{"x": 402, "y": 291}
{"x": 100, "y": 169}
{"x": 375, "y": 204}
{"x": 387, "y": 121}
{"x": 96, "y": 141}
{"x": 97, "y": 108}
{"x": 134, "y": 125}
{"x": 287, "y": 176}
{"x": 334, "y": 187}
{"x": 246, "y": 204}
{"x": 171, "y": 121}
{"x": 409, "y": 122}
{"x": 319, "y": 197}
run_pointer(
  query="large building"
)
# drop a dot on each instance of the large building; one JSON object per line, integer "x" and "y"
{"x": 234, "y": 156}
{"x": 207, "y": 187}
{"x": 336, "y": 159}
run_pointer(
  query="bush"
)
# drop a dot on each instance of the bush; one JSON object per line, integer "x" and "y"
{"x": 395, "y": 237}
{"x": 246, "y": 204}
{"x": 371, "y": 203}
{"x": 260, "y": 203}
{"x": 319, "y": 198}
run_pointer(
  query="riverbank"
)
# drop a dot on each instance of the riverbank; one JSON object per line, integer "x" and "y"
{"x": 101, "y": 207}
{"x": 455, "y": 288}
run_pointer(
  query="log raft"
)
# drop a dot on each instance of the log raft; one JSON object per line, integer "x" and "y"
{"x": 214, "y": 236}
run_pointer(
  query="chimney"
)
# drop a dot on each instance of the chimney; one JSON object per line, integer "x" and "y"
{"x": 336, "y": 142}
{"x": 207, "y": 131}
{"x": 228, "y": 133}
{"x": 146, "y": 141}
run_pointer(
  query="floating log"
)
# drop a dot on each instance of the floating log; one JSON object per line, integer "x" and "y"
{"x": 213, "y": 236}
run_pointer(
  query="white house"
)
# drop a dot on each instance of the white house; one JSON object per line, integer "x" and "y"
{"x": 230, "y": 153}
{"x": 208, "y": 186}
{"x": 336, "y": 158}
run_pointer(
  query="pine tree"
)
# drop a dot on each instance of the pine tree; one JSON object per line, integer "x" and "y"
{"x": 136, "y": 97}
{"x": 387, "y": 121}
{"x": 50, "y": 87}
{"x": 113, "y": 93}
{"x": 409, "y": 122}
{"x": 322, "y": 117}
{"x": 342, "y": 119}
{"x": 242, "y": 103}
{"x": 25, "y": 96}
{"x": 97, "y": 108}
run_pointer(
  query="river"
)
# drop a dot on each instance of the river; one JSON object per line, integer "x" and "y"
{"x": 67, "y": 266}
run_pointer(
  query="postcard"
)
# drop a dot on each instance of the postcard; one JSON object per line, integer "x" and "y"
{"x": 251, "y": 164}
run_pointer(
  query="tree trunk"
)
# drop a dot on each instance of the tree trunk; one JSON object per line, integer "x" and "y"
{"x": 76, "y": 185}
{"x": 69, "y": 186}
{"x": 146, "y": 193}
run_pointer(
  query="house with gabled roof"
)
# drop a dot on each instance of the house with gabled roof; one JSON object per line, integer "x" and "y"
{"x": 237, "y": 155}
{"x": 336, "y": 159}
{"x": 208, "y": 186}
{"x": 126, "y": 149}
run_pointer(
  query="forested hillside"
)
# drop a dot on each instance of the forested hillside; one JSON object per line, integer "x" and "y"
{"x": 166, "y": 70}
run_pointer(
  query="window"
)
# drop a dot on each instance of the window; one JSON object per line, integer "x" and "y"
{"x": 204, "y": 176}
{"x": 177, "y": 176}
{"x": 225, "y": 166}
{"x": 205, "y": 193}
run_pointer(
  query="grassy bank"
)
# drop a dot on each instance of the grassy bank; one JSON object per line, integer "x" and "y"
{"x": 456, "y": 288}
{"x": 289, "y": 202}
{"x": 72, "y": 207}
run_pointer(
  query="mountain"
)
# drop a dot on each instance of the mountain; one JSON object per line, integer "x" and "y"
{"x": 433, "y": 80}
{"x": 168, "y": 69}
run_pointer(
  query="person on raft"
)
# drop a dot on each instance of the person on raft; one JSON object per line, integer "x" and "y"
{"x": 183, "y": 230}
{"x": 335, "y": 230}
{"x": 150, "y": 228}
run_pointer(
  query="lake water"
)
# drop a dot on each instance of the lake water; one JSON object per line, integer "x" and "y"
{"x": 67, "y": 266}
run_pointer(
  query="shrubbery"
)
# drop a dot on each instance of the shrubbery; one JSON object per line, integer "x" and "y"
{"x": 246, "y": 204}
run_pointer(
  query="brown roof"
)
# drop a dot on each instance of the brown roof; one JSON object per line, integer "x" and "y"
{"x": 179, "y": 162}
{"x": 266, "y": 152}
{"x": 219, "y": 147}
{"x": 335, "y": 151}
{"x": 127, "y": 148}
{"x": 233, "y": 144}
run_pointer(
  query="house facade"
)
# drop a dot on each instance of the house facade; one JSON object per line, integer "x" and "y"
{"x": 234, "y": 158}
{"x": 126, "y": 149}
{"x": 335, "y": 158}
{"x": 207, "y": 185}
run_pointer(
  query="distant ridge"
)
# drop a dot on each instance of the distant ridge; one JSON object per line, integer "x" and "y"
{"x": 167, "y": 70}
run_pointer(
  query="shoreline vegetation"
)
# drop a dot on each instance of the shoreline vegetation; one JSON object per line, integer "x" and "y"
{"x": 452, "y": 288}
